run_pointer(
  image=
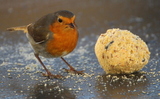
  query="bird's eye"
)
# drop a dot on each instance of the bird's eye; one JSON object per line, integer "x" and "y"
{"x": 60, "y": 20}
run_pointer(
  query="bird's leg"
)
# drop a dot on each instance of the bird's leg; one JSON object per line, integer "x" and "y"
{"x": 71, "y": 69}
{"x": 49, "y": 74}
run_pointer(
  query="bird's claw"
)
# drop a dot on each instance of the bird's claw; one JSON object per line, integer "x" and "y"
{"x": 51, "y": 76}
{"x": 73, "y": 71}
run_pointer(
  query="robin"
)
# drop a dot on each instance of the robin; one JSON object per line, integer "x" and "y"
{"x": 54, "y": 35}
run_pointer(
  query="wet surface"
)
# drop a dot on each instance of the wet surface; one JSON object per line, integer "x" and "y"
{"x": 21, "y": 73}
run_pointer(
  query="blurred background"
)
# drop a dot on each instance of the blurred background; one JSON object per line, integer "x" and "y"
{"x": 19, "y": 70}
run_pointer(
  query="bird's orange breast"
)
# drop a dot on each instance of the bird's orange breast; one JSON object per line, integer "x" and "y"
{"x": 63, "y": 41}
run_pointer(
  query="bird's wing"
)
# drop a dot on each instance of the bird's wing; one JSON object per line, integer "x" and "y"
{"x": 39, "y": 34}
{"x": 39, "y": 30}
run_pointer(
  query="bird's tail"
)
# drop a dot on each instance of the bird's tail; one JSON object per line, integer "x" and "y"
{"x": 19, "y": 28}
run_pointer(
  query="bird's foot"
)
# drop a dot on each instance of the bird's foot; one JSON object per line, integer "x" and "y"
{"x": 73, "y": 71}
{"x": 51, "y": 76}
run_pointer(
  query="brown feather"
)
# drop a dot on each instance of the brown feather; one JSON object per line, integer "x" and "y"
{"x": 19, "y": 28}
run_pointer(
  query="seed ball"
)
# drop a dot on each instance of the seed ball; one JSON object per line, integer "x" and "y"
{"x": 121, "y": 52}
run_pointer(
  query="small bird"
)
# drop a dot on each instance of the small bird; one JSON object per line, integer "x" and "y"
{"x": 54, "y": 35}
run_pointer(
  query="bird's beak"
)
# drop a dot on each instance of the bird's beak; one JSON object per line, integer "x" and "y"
{"x": 71, "y": 25}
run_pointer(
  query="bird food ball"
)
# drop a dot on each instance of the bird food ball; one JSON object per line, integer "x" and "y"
{"x": 121, "y": 52}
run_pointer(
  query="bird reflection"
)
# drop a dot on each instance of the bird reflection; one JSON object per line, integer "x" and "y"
{"x": 51, "y": 91}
